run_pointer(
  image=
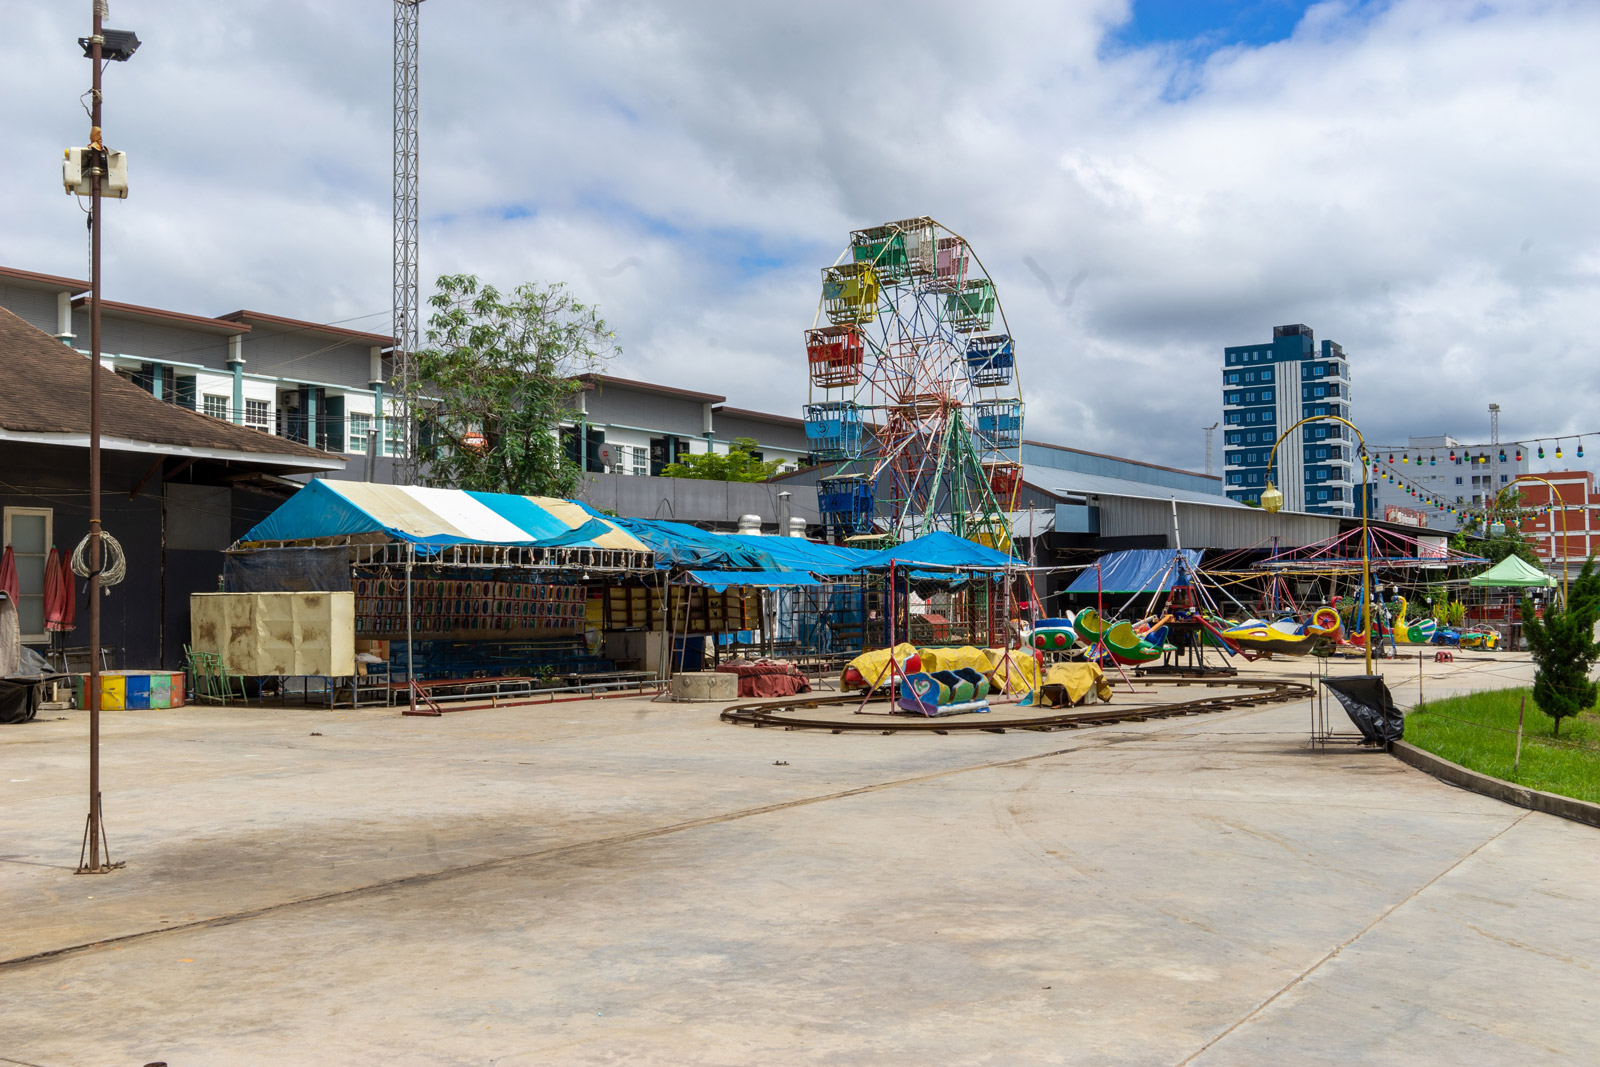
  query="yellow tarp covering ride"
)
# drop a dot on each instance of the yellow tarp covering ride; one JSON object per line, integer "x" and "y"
{"x": 1013, "y": 672}
{"x": 1068, "y": 684}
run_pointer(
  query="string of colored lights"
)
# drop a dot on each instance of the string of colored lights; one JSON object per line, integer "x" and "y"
{"x": 1518, "y": 447}
{"x": 1432, "y": 497}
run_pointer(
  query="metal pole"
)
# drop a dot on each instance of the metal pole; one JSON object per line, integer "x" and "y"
{"x": 411, "y": 640}
{"x": 1366, "y": 565}
{"x": 92, "y": 689}
{"x": 1521, "y": 711}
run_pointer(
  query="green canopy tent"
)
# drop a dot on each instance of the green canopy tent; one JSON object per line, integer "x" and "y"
{"x": 1513, "y": 571}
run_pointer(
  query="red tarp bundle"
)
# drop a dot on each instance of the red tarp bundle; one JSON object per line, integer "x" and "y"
{"x": 767, "y": 679}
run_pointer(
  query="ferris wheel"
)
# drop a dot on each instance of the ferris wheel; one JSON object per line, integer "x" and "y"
{"x": 914, "y": 394}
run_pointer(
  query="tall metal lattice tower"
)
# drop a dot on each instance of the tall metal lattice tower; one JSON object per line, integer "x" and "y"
{"x": 407, "y": 288}
{"x": 1491, "y": 497}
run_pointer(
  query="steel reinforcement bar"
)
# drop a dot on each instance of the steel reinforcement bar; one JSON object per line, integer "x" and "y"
{"x": 1246, "y": 694}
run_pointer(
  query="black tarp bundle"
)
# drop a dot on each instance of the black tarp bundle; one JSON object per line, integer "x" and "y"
{"x": 19, "y": 699}
{"x": 287, "y": 570}
{"x": 1367, "y": 701}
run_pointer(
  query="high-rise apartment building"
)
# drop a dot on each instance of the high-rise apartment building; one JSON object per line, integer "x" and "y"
{"x": 1270, "y": 386}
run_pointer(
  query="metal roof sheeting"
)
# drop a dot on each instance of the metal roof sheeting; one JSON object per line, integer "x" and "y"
{"x": 1060, "y": 482}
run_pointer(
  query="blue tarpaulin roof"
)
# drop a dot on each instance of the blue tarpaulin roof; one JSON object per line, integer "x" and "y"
{"x": 1136, "y": 570}
{"x": 677, "y": 544}
{"x": 799, "y": 554}
{"x": 723, "y": 579}
{"x": 940, "y": 550}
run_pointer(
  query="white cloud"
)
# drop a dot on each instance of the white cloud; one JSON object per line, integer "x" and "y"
{"x": 1415, "y": 181}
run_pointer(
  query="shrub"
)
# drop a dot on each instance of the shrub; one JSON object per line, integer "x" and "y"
{"x": 1564, "y": 648}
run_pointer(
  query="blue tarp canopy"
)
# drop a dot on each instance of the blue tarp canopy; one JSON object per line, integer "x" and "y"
{"x": 723, "y": 579}
{"x": 436, "y": 518}
{"x": 677, "y": 544}
{"x": 1136, "y": 570}
{"x": 941, "y": 551}
{"x": 797, "y": 553}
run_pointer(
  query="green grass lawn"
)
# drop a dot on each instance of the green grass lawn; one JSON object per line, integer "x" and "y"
{"x": 1569, "y": 765}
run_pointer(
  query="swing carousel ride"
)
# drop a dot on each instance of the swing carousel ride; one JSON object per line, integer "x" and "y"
{"x": 1176, "y": 612}
{"x": 915, "y": 402}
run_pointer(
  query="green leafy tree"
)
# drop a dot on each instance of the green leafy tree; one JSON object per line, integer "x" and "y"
{"x": 737, "y": 465}
{"x": 1564, "y": 648}
{"x": 495, "y": 382}
{"x": 1475, "y": 537}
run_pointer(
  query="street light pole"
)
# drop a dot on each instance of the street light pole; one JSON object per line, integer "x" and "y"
{"x": 1272, "y": 501}
{"x": 95, "y": 829}
{"x": 100, "y": 47}
{"x": 1556, "y": 493}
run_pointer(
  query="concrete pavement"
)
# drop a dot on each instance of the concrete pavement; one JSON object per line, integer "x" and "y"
{"x": 617, "y": 881}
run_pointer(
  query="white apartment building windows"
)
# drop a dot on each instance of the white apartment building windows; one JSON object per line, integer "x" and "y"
{"x": 258, "y": 415}
{"x": 641, "y": 460}
{"x": 216, "y": 406}
{"x": 360, "y": 425}
{"x": 28, "y": 533}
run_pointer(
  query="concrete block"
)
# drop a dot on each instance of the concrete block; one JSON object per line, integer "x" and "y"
{"x": 705, "y": 685}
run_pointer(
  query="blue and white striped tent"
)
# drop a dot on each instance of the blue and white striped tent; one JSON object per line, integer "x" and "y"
{"x": 433, "y": 519}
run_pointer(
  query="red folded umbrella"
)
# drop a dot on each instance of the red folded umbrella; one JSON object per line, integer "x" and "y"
{"x": 57, "y": 594}
{"x": 69, "y": 605}
{"x": 8, "y": 576}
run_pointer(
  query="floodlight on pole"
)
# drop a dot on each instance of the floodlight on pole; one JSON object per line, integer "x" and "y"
{"x": 119, "y": 45}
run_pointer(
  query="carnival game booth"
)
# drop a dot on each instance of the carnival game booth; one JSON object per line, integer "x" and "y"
{"x": 359, "y": 590}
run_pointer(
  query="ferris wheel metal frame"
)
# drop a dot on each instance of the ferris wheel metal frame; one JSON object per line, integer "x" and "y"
{"x": 920, "y": 403}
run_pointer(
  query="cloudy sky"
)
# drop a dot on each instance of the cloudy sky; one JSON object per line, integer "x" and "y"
{"x": 1146, "y": 182}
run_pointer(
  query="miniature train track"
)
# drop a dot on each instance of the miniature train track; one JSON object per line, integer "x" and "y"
{"x": 1255, "y": 693}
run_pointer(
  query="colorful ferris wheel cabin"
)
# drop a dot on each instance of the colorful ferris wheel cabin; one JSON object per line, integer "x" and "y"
{"x": 850, "y": 293}
{"x": 990, "y": 360}
{"x": 833, "y": 430}
{"x": 971, "y": 307}
{"x": 999, "y": 423}
{"x": 835, "y": 354}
